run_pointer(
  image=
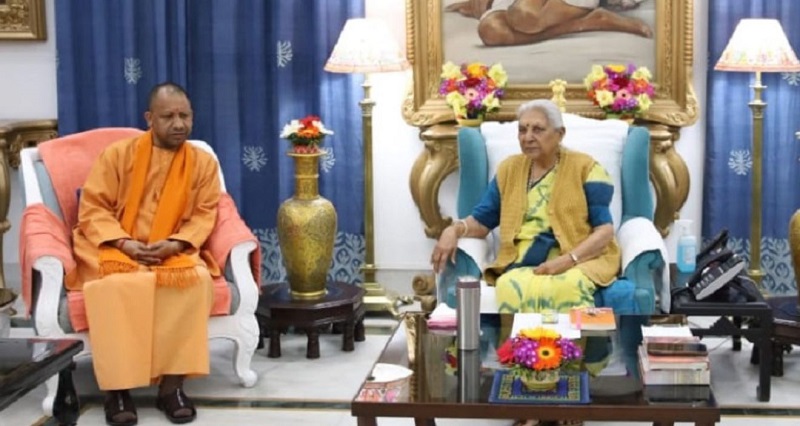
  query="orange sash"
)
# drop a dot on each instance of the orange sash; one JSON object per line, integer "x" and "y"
{"x": 177, "y": 270}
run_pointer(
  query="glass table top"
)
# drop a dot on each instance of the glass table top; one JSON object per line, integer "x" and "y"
{"x": 442, "y": 374}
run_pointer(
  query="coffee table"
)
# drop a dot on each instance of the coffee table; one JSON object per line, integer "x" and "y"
{"x": 435, "y": 394}
{"x": 27, "y": 363}
{"x": 342, "y": 304}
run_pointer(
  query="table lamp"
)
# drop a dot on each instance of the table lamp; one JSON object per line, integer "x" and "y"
{"x": 366, "y": 46}
{"x": 757, "y": 45}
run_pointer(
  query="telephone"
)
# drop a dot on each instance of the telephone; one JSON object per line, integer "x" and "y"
{"x": 716, "y": 266}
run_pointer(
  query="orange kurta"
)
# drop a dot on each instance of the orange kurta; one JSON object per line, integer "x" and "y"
{"x": 140, "y": 331}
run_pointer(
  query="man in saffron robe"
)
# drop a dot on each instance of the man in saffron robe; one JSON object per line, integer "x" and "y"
{"x": 146, "y": 209}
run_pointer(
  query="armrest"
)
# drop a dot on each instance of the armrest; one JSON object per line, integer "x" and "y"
{"x": 636, "y": 198}
{"x": 243, "y": 276}
{"x": 644, "y": 257}
{"x": 46, "y": 312}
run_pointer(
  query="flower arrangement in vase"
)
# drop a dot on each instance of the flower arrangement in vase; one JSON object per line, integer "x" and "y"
{"x": 536, "y": 356}
{"x": 622, "y": 91}
{"x": 306, "y": 134}
{"x": 473, "y": 90}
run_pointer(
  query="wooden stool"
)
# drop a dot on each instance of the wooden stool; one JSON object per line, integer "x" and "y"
{"x": 342, "y": 304}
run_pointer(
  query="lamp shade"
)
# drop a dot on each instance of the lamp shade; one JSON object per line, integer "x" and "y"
{"x": 364, "y": 46}
{"x": 758, "y": 45}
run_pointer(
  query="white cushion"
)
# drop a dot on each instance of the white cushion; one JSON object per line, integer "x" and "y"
{"x": 602, "y": 139}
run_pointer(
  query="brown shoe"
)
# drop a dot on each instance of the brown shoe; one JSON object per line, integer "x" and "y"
{"x": 175, "y": 401}
{"x": 119, "y": 409}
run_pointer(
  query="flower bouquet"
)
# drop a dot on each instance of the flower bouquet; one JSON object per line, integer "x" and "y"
{"x": 472, "y": 90}
{"x": 621, "y": 91}
{"x": 536, "y": 356}
{"x": 306, "y": 134}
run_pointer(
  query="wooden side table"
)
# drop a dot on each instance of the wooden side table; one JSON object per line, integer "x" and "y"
{"x": 343, "y": 303}
{"x": 15, "y": 135}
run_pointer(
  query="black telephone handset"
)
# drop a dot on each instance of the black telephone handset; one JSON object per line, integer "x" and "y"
{"x": 716, "y": 266}
{"x": 719, "y": 242}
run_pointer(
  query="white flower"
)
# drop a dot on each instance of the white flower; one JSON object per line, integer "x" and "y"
{"x": 322, "y": 128}
{"x": 290, "y": 129}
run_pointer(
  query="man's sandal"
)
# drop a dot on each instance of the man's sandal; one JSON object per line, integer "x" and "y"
{"x": 173, "y": 402}
{"x": 116, "y": 405}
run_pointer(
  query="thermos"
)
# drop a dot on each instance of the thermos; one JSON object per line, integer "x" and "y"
{"x": 468, "y": 311}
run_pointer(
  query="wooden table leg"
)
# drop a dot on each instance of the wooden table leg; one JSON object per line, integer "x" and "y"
{"x": 663, "y": 423}
{"x": 312, "y": 350}
{"x": 274, "y": 342}
{"x": 424, "y": 422}
{"x": 347, "y": 336}
{"x": 359, "y": 335}
{"x": 367, "y": 421}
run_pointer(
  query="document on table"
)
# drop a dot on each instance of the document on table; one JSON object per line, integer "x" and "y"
{"x": 666, "y": 331}
{"x": 563, "y": 326}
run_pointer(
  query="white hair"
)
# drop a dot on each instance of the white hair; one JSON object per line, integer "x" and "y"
{"x": 546, "y": 106}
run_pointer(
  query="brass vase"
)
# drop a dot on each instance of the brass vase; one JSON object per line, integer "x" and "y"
{"x": 306, "y": 231}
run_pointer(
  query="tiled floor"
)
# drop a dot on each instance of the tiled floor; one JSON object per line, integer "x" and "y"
{"x": 295, "y": 390}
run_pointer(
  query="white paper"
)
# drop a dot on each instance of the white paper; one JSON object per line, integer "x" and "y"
{"x": 666, "y": 331}
{"x": 535, "y": 320}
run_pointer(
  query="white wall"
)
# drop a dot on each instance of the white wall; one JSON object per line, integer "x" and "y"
{"x": 28, "y": 87}
{"x": 27, "y": 91}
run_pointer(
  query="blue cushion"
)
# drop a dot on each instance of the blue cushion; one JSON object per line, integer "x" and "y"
{"x": 635, "y": 177}
{"x": 473, "y": 170}
{"x": 446, "y": 286}
{"x": 619, "y": 296}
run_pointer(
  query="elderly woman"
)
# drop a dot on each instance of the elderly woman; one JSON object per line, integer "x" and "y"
{"x": 552, "y": 207}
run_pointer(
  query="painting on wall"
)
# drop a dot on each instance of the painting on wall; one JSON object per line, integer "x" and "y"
{"x": 22, "y": 20}
{"x": 538, "y": 41}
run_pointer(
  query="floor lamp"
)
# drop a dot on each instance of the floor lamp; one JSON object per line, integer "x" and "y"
{"x": 366, "y": 46}
{"x": 757, "y": 45}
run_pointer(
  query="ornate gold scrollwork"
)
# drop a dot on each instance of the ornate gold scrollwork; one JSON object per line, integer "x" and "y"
{"x": 669, "y": 175}
{"x": 437, "y": 160}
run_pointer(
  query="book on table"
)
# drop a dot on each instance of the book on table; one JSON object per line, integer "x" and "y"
{"x": 674, "y": 377}
{"x": 591, "y": 318}
{"x": 657, "y": 362}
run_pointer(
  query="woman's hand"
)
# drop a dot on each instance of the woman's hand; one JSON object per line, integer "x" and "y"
{"x": 555, "y": 266}
{"x": 445, "y": 249}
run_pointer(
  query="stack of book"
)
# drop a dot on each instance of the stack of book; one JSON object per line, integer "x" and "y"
{"x": 674, "y": 361}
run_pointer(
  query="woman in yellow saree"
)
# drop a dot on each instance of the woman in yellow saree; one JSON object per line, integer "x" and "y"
{"x": 551, "y": 205}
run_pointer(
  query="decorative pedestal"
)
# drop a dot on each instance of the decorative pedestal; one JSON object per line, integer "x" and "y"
{"x": 306, "y": 231}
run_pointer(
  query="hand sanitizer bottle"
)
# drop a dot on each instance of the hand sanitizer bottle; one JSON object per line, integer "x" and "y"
{"x": 687, "y": 247}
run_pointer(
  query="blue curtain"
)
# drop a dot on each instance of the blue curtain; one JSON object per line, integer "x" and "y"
{"x": 249, "y": 66}
{"x": 728, "y": 163}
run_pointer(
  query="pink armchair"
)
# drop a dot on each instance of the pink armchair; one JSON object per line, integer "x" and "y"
{"x": 51, "y": 201}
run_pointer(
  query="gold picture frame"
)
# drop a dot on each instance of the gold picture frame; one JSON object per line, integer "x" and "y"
{"x": 675, "y": 103}
{"x": 22, "y": 20}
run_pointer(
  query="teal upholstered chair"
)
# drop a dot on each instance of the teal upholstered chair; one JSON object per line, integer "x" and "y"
{"x": 624, "y": 151}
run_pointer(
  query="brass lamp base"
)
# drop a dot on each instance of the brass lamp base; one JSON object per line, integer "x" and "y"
{"x": 379, "y": 300}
